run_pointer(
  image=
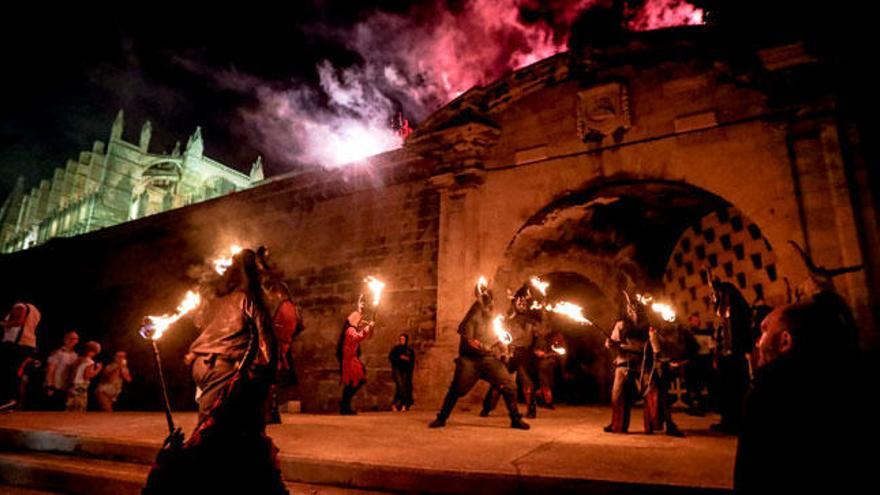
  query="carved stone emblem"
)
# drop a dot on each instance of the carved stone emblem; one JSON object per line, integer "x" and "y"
{"x": 603, "y": 111}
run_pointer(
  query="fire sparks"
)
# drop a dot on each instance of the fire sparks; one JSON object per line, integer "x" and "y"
{"x": 665, "y": 311}
{"x": 658, "y": 14}
{"x": 569, "y": 310}
{"x": 558, "y": 350}
{"x": 159, "y": 324}
{"x": 223, "y": 264}
{"x": 500, "y": 331}
{"x": 540, "y": 285}
{"x": 375, "y": 285}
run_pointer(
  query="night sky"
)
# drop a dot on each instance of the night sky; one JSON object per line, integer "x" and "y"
{"x": 68, "y": 70}
{"x": 68, "y": 73}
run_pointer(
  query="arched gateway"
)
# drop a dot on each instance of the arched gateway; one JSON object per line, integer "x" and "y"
{"x": 599, "y": 163}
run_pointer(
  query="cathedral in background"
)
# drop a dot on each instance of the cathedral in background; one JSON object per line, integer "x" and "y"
{"x": 115, "y": 183}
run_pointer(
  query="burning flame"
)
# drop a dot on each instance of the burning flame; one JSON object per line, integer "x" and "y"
{"x": 223, "y": 264}
{"x": 160, "y": 324}
{"x": 482, "y": 284}
{"x": 540, "y": 285}
{"x": 665, "y": 311}
{"x": 558, "y": 350}
{"x": 503, "y": 335}
{"x": 375, "y": 285}
{"x": 570, "y": 310}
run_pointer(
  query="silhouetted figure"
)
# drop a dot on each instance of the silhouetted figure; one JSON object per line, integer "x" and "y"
{"x": 18, "y": 342}
{"x": 628, "y": 339}
{"x": 479, "y": 353}
{"x": 522, "y": 323}
{"x": 403, "y": 361}
{"x": 234, "y": 361}
{"x": 801, "y": 429}
{"x": 733, "y": 347}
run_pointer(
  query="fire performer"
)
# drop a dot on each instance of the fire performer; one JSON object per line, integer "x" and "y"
{"x": 478, "y": 359}
{"x": 233, "y": 360}
{"x": 628, "y": 338}
{"x": 523, "y": 325}
{"x": 550, "y": 352}
{"x": 355, "y": 330}
{"x": 658, "y": 413}
{"x": 288, "y": 323}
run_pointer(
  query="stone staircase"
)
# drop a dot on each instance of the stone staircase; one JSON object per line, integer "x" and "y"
{"x": 40, "y": 462}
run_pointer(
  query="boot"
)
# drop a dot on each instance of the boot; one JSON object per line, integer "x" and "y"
{"x": 445, "y": 410}
{"x": 532, "y": 412}
{"x": 673, "y": 431}
{"x": 519, "y": 424}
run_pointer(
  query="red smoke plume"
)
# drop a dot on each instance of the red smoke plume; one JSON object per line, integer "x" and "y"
{"x": 417, "y": 63}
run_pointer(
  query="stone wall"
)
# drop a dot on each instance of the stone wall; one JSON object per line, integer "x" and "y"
{"x": 325, "y": 230}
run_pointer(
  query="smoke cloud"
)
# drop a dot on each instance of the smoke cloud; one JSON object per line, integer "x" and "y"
{"x": 412, "y": 64}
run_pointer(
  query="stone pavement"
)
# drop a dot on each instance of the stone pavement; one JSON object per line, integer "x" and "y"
{"x": 565, "y": 450}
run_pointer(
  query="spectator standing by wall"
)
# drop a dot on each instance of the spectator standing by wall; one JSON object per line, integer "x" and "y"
{"x": 82, "y": 371}
{"x": 19, "y": 342}
{"x": 58, "y": 372}
{"x": 111, "y": 380}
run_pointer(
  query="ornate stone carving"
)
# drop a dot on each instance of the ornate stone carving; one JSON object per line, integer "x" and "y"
{"x": 603, "y": 111}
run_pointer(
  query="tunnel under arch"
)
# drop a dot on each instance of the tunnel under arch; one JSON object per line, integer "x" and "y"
{"x": 662, "y": 237}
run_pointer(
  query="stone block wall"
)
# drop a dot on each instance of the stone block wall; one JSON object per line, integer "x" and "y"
{"x": 326, "y": 231}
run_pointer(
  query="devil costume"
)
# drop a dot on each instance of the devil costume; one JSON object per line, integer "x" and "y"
{"x": 478, "y": 361}
{"x": 354, "y": 373}
{"x": 523, "y": 328}
{"x": 628, "y": 340}
{"x": 229, "y": 451}
{"x": 546, "y": 362}
{"x": 658, "y": 413}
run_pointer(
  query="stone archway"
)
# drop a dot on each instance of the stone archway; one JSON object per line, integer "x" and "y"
{"x": 637, "y": 235}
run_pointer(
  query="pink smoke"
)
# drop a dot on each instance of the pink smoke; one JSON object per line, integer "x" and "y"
{"x": 658, "y": 14}
{"x": 416, "y": 63}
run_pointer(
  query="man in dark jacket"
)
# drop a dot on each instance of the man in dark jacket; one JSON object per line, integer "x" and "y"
{"x": 792, "y": 440}
{"x": 403, "y": 360}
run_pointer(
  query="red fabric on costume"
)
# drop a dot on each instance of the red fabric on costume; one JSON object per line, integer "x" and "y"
{"x": 285, "y": 320}
{"x": 353, "y": 370}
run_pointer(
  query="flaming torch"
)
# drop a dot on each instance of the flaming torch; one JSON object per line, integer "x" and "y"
{"x": 540, "y": 285}
{"x": 375, "y": 286}
{"x": 570, "y": 310}
{"x": 482, "y": 285}
{"x": 153, "y": 329}
{"x": 665, "y": 311}
{"x": 223, "y": 264}
{"x": 503, "y": 335}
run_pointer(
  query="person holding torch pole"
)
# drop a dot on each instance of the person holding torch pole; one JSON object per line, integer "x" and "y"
{"x": 355, "y": 330}
{"x": 478, "y": 359}
{"x": 233, "y": 363}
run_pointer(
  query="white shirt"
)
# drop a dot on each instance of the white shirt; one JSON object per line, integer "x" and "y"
{"x": 62, "y": 359}
{"x": 79, "y": 379}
